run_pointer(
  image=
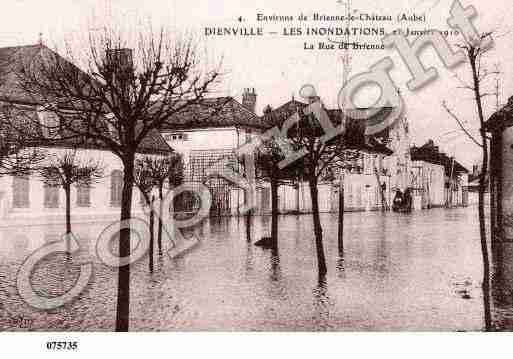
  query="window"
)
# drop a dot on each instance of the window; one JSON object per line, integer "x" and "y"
{"x": 51, "y": 196}
{"x": 176, "y": 137}
{"x": 83, "y": 196}
{"x": 21, "y": 192}
{"x": 49, "y": 122}
{"x": 116, "y": 188}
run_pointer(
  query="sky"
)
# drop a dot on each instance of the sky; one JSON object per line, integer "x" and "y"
{"x": 278, "y": 66}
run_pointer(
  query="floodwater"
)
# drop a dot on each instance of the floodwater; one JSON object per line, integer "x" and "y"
{"x": 399, "y": 272}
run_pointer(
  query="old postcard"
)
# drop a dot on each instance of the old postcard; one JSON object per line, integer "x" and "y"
{"x": 213, "y": 166}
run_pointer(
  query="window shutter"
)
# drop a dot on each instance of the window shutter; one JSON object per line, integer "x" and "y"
{"x": 116, "y": 188}
{"x": 21, "y": 192}
{"x": 51, "y": 194}
{"x": 84, "y": 196}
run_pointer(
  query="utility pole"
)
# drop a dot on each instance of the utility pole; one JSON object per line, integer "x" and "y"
{"x": 346, "y": 70}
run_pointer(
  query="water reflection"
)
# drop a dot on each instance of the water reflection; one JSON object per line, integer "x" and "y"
{"x": 340, "y": 267}
{"x": 398, "y": 272}
{"x": 275, "y": 266}
{"x": 322, "y": 303}
{"x": 249, "y": 258}
{"x": 502, "y": 286}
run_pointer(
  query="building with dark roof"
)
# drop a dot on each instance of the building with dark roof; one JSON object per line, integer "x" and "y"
{"x": 13, "y": 60}
{"x": 209, "y": 132}
{"x": 500, "y": 174}
{"x": 381, "y": 166}
{"x": 439, "y": 179}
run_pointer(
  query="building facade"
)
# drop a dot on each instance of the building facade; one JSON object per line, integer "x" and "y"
{"x": 26, "y": 198}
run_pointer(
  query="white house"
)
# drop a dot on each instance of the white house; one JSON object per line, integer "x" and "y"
{"x": 27, "y": 199}
{"x": 209, "y": 132}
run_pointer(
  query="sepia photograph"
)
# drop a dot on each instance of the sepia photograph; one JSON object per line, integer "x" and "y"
{"x": 210, "y": 166}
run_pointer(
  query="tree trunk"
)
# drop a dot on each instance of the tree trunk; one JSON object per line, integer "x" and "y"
{"x": 384, "y": 204}
{"x": 248, "y": 225}
{"x": 321, "y": 259}
{"x": 486, "y": 262}
{"x": 482, "y": 188}
{"x": 274, "y": 212}
{"x": 341, "y": 205}
{"x": 298, "y": 197}
{"x": 67, "y": 192}
{"x": 159, "y": 238}
{"x": 123, "y": 300}
{"x": 152, "y": 234}
{"x": 247, "y": 217}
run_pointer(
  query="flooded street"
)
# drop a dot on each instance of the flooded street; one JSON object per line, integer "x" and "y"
{"x": 399, "y": 272}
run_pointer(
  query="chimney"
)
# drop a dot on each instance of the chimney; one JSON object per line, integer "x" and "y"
{"x": 41, "y": 41}
{"x": 249, "y": 99}
{"x": 308, "y": 92}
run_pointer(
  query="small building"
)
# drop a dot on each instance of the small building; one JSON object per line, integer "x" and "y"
{"x": 210, "y": 132}
{"x": 437, "y": 179}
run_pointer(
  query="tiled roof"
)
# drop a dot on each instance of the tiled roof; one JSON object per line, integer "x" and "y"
{"x": 27, "y": 120}
{"x": 502, "y": 118}
{"x": 214, "y": 112}
{"x": 431, "y": 154}
{"x": 335, "y": 114}
{"x": 375, "y": 143}
{"x": 13, "y": 59}
{"x": 154, "y": 142}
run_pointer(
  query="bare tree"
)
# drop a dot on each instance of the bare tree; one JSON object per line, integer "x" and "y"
{"x": 151, "y": 174}
{"x": 475, "y": 50}
{"x": 155, "y": 172}
{"x": 244, "y": 165}
{"x": 146, "y": 181}
{"x": 119, "y": 98}
{"x": 267, "y": 161}
{"x": 321, "y": 161}
{"x": 320, "y": 158}
{"x": 350, "y": 143}
{"x": 68, "y": 169}
{"x": 170, "y": 168}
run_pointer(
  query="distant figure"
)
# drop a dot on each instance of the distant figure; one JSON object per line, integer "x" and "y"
{"x": 408, "y": 201}
{"x": 265, "y": 242}
{"x": 398, "y": 201}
